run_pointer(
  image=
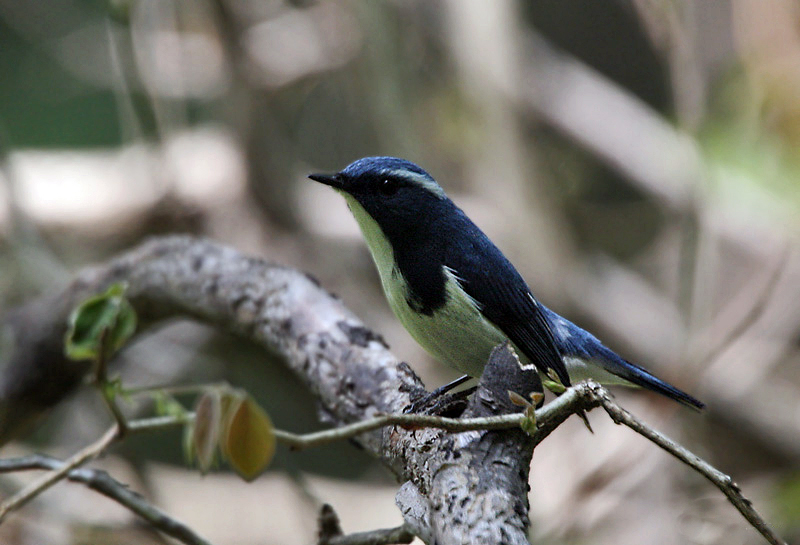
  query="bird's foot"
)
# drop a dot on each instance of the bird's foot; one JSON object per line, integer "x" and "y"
{"x": 440, "y": 402}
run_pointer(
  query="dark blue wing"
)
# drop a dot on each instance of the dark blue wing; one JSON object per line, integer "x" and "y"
{"x": 504, "y": 298}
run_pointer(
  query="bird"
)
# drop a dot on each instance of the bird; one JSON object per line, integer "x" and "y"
{"x": 456, "y": 293}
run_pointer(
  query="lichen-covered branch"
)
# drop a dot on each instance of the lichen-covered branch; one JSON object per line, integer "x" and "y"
{"x": 459, "y": 486}
{"x": 330, "y": 532}
{"x": 347, "y": 367}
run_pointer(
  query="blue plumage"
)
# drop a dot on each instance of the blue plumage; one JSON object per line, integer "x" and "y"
{"x": 455, "y": 291}
{"x": 374, "y": 165}
{"x": 575, "y": 342}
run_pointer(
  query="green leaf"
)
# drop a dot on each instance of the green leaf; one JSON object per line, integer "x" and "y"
{"x": 528, "y": 423}
{"x": 100, "y": 325}
{"x": 248, "y": 438}
{"x": 554, "y": 385}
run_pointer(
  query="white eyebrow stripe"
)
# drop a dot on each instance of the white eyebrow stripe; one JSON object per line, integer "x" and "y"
{"x": 419, "y": 179}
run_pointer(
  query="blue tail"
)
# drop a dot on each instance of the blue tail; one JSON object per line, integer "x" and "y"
{"x": 631, "y": 372}
{"x": 577, "y": 343}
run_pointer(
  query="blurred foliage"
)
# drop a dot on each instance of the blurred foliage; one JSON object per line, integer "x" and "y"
{"x": 43, "y": 105}
{"x": 755, "y": 145}
{"x": 788, "y": 505}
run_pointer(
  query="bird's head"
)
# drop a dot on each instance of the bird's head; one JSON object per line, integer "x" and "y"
{"x": 392, "y": 191}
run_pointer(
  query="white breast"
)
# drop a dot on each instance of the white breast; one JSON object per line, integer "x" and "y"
{"x": 457, "y": 334}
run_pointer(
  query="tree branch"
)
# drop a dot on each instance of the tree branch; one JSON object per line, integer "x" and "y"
{"x": 330, "y": 532}
{"x": 345, "y": 365}
{"x": 102, "y": 482}
{"x": 86, "y": 454}
{"x": 49, "y": 479}
{"x": 460, "y": 486}
{"x": 722, "y": 481}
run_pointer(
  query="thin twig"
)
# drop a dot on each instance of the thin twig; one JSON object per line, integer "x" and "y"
{"x": 349, "y": 431}
{"x": 49, "y": 479}
{"x": 560, "y": 408}
{"x": 722, "y": 481}
{"x": 580, "y": 397}
{"x": 85, "y": 455}
{"x": 102, "y": 384}
{"x": 159, "y": 422}
{"x": 102, "y": 482}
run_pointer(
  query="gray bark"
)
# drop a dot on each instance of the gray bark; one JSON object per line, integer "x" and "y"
{"x": 458, "y": 488}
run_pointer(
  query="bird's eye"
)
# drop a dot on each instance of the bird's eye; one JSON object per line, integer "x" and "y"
{"x": 388, "y": 186}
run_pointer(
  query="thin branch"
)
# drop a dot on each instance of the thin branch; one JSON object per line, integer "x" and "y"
{"x": 83, "y": 456}
{"x": 722, "y": 481}
{"x": 580, "y": 397}
{"x": 159, "y": 422}
{"x": 102, "y": 482}
{"x": 547, "y": 419}
{"x": 49, "y": 479}
{"x": 297, "y": 442}
{"x": 102, "y": 384}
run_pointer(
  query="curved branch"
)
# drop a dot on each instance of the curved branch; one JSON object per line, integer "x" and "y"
{"x": 348, "y": 368}
{"x": 467, "y": 487}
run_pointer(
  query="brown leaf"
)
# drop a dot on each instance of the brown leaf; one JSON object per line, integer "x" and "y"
{"x": 205, "y": 432}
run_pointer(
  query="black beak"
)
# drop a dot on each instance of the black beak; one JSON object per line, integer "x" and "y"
{"x": 333, "y": 180}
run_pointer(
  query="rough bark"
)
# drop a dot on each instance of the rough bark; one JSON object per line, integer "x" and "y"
{"x": 459, "y": 488}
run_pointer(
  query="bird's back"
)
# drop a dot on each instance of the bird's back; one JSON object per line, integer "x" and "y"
{"x": 473, "y": 296}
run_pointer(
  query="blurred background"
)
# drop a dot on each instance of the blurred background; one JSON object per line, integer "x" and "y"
{"x": 637, "y": 160}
